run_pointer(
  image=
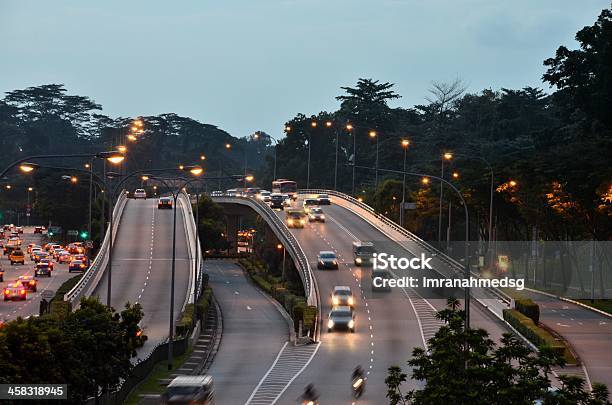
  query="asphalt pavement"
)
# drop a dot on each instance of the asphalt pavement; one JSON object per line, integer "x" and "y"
{"x": 253, "y": 333}
{"x": 10, "y": 310}
{"x": 588, "y": 332}
{"x": 141, "y": 271}
{"x": 386, "y": 322}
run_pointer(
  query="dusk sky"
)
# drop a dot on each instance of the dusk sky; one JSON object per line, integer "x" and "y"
{"x": 247, "y": 65}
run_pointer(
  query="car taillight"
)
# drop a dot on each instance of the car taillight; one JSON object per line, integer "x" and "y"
{"x": 7, "y": 291}
{"x": 82, "y": 266}
{"x": 22, "y": 292}
{"x": 32, "y": 282}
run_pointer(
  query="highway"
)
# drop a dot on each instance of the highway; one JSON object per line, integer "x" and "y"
{"x": 10, "y": 310}
{"x": 589, "y": 333}
{"x": 388, "y": 327}
{"x": 253, "y": 333}
{"x": 141, "y": 269}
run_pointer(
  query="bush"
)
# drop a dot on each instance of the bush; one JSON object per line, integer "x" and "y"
{"x": 66, "y": 286}
{"x": 310, "y": 317}
{"x": 184, "y": 324}
{"x": 262, "y": 283}
{"x": 60, "y": 308}
{"x": 203, "y": 304}
{"x": 536, "y": 335}
{"x": 528, "y": 308}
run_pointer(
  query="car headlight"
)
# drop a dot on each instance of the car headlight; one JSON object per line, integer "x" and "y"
{"x": 358, "y": 260}
{"x": 350, "y": 301}
{"x": 322, "y": 216}
{"x": 330, "y": 323}
{"x": 351, "y": 324}
{"x": 302, "y": 221}
{"x": 335, "y": 263}
{"x": 335, "y": 301}
{"x": 290, "y": 221}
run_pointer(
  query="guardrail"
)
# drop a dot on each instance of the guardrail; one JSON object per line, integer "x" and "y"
{"x": 291, "y": 245}
{"x": 190, "y": 232}
{"x": 92, "y": 276}
{"x": 453, "y": 264}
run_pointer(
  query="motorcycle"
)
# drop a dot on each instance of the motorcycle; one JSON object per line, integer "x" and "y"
{"x": 357, "y": 385}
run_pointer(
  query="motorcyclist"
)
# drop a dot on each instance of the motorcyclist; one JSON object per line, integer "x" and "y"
{"x": 357, "y": 373}
{"x": 357, "y": 382}
{"x": 310, "y": 393}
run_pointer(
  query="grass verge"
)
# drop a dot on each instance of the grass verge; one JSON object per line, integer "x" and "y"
{"x": 602, "y": 305}
{"x": 151, "y": 385}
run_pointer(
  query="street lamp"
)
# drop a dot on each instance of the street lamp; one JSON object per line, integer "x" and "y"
{"x": 446, "y": 156}
{"x": 281, "y": 247}
{"x": 405, "y": 143}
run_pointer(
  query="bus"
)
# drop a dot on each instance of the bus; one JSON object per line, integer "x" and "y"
{"x": 284, "y": 186}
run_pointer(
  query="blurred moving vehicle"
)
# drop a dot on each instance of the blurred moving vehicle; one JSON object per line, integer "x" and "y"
{"x": 19, "y": 229}
{"x": 217, "y": 193}
{"x": 42, "y": 269}
{"x": 316, "y": 215}
{"x": 363, "y": 253}
{"x": 341, "y": 318}
{"x": 190, "y": 390}
{"x": 63, "y": 257}
{"x": 323, "y": 199}
{"x": 28, "y": 282}
{"x": 327, "y": 259}
{"x": 17, "y": 257}
{"x": 264, "y": 196}
{"x": 284, "y": 186}
{"x": 140, "y": 193}
{"x": 276, "y": 201}
{"x": 308, "y": 203}
{"x": 342, "y": 296}
{"x": 164, "y": 203}
{"x": 76, "y": 265}
{"x": 82, "y": 258}
{"x": 15, "y": 291}
{"x": 39, "y": 229}
{"x": 295, "y": 218}
{"x": 47, "y": 261}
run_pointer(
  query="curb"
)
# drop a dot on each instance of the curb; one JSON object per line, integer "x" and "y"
{"x": 599, "y": 311}
{"x": 214, "y": 348}
{"x": 277, "y": 305}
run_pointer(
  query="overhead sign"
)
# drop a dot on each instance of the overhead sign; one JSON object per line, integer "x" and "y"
{"x": 73, "y": 232}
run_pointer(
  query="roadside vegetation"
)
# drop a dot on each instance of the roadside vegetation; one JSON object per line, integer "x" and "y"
{"x": 466, "y": 367}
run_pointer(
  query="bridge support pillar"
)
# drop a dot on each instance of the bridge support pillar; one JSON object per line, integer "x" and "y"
{"x": 233, "y": 222}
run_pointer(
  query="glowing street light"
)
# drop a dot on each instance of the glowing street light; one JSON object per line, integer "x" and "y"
{"x": 372, "y": 134}
{"x": 287, "y": 128}
{"x": 513, "y": 183}
{"x": 132, "y": 138}
{"x": 249, "y": 178}
{"x": 8, "y": 186}
{"x": 425, "y": 180}
{"x": 145, "y": 178}
{"x": 228, "y": 146}
{"x": 122, "y": 149}
{"x": 26, "y": 167}
{"x": 196, "y": 170}
{"x": 455, "y": 175}
{"x": 313, "y": 124}
{"x": 349, "y": 127}
{"x": 328, "y": 124}
{"x": 202, "y": 157}
{"x": 405, "y": 143}
{"x": 73, "y": 179}
{"x": 448, "y": 156}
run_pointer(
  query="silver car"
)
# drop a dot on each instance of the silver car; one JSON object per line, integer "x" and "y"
{"x": 316, "y": 215}
{"x": 341, "y": 318}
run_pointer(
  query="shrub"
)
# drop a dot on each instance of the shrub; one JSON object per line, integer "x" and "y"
{"x": 310, "y": 317}
{"x": 186, "y": 321}
{"x": 203, "y": 303}
{"x": 536, "y": 335}
{"x": 60, "y": 308}
{"x": 528, "y": 308}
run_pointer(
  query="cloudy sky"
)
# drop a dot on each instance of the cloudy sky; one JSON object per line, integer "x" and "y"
{"x": 248, "y": 65}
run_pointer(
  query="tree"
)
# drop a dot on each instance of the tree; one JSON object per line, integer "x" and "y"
{"x": 464, "y": 366}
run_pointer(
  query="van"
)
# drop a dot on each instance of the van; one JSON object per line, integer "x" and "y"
{"x": 190, "y": 390}
{"x": 362, "y": 253}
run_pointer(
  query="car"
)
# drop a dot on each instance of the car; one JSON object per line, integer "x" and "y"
{"x": 15, "y": 291}
{"x": 140, "y": 193}
{"x": 309, "y": 202}
{"x": 189, "y": 390}
{"x": 34, "y": 252}
{"x": 30, "y": 246}
{"x": 316, "y": 215}
{"x": 41, "y": 256}
{"x": 38, "y": 229}
{"x": 287, "y": 200}
{"x": 264, "y": 196}
{"x": 82, "y": 258}
{"x": 1, "y": 274}
{"x": 323, "y": 199}
{"x": 295, "y": 218}
{"x": 42, "y": 269}
{"x": 19, "y": 229}
{"x": 341, "y": 318}
{"x": 76, "y": 265}
{"x": 327, "y": 260}
{"x": 342, "y": 296}
{"x": 363, "y": 253}
{"x": 28, "y": 282}
{"x": 63, "y": 257}
{"x": 17, "y": 256}
{"x": 277, "y": 201}
{"x": 48, "y": 261}
{"x": 164, "y": 203}
{"x": 252, "y": 191}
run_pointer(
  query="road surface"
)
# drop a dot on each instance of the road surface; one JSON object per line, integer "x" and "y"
{"x": 10, "y": 310}
{"x": 253, "y": 333}
{"x": 589, "y": 333}
{"x": 141, "y": 272}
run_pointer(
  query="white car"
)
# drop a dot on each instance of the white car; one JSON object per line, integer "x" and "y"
{"x": 316, "y": 215}
{"x": 286, "y": 200}
{"x": 342, "y": 296}
{"x": 140, "y": 193}
{"x": 264, "y": 196}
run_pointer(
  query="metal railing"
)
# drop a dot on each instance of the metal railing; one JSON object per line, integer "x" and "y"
{"x": 291, "y": 245}
{"x": 92, "y": 276}
{"x": 454, "y": 265}
{"x": 190, "y": 231}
